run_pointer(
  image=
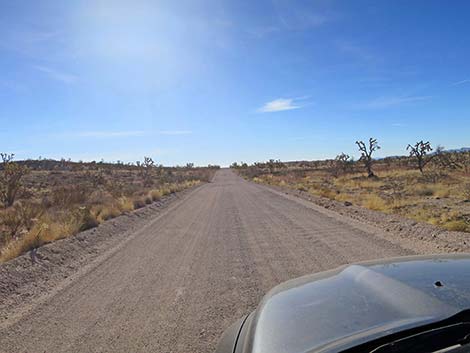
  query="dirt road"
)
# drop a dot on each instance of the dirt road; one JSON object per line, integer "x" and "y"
{"x": 205, "y": 263}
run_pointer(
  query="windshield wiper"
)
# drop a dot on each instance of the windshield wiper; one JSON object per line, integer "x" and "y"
{"x": 429, "y": 341}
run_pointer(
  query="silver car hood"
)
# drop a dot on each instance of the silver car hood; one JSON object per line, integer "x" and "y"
{"x": 336, "y": 310}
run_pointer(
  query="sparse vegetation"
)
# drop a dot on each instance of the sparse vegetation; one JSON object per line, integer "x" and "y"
{"x": 342, "y": 164}
{"x": 61, "y": 198}
{"x": 366, "y": 154}
{"x": 438, "y": 195}
{"x": 11, "y": 175}
{"x": 420, "y": 151}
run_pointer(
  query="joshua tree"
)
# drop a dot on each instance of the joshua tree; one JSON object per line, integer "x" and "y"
{"x": 280, "y": 165}
{"x": 452, "y": 160}
{"x": 366, "y": 154}
{"x": 420, "y": 150}
{"x": 10, "y": 178}
{"x": 342, "y": 164}
{"x": 271, "y": 164}
{"x": 147, "y": 167}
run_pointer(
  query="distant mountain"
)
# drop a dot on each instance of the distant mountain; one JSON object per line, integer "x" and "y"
{"x": 459, "y": 150}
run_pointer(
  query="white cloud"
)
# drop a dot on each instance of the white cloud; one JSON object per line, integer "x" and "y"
{"x": 57, "y": 75}
{"x": 279, "y": 104}
{"x": 460, "y": 82}
{"x": 388, "y": 102}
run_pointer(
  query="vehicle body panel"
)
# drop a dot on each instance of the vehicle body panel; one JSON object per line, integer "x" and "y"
{"x": 339, "y": 309}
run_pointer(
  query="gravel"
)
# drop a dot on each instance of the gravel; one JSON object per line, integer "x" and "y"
{"x": 172, "y": 276}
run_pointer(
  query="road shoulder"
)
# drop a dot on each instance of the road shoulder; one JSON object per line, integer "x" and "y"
{"x": 24, "y": 285}
{"x": 421, "y": 238}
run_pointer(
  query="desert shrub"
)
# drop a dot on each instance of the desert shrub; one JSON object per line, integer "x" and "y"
{"x": 71, "y": 203}
{"x": 125, "y": 204}
{"x": 29, "y": 212}
{"x": 324, "y": 192}
{"x": 156, "y": 195}
{"x": 105, "y": 213}
{"x": 138, "y": 203}
{"x": 11, "y": 222}
{"x": 423, "y": 190}
{"x": 397, "y": 203}
{"x": 28, "y": 241}
{"x": 147, "y": 171}
{"x": 374, "y": 202}
{"x": 433, "y": 176}
{"x": 442, "y": 191}
{"x": 466, "y": 191}
{"x": 20, "y": 218}
{"x": 342, "y": 164}
{"x": 173, "y": 188}
{"x": 86, "y": 219}
{"x": 115, "y": 188}
{"x": 10, "y": 179}
{"x": 68, "y": 196}
{"x": 456, "y": 225}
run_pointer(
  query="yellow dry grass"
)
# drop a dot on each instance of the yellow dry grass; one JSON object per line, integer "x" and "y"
{"x": 62, "y": 223}
{"x": 423, "y": 197}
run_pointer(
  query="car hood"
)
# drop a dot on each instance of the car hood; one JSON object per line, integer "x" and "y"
{"x": 336, "y": 310}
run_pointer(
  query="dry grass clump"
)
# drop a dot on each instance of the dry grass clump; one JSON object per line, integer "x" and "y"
{"x": 457, "y": 225}
{"x": 156, "y": 194}
{"x": 439, "y": 197}
{"x": 138, "y": 203}
{"x": 375, "y": 202}
{"x": 104, "y": 213}
{"x": 59, "y": 204}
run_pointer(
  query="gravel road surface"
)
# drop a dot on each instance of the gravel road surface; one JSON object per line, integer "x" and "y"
{"x": 189, "y": 274}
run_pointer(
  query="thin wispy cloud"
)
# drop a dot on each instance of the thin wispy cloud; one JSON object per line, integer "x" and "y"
{"x": 389, "y": 102}
{"x": 460, "y": 82}
{"x": 280, "y": 104}
{"x": 57, "y": 75}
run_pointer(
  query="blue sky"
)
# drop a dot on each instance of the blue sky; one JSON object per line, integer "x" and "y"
{"x": 219, "y": 81}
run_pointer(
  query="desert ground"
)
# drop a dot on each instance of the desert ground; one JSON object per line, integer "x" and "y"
{"x": 171, "y": 276}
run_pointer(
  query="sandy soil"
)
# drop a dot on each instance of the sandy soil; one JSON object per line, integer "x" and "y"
{"x": 172, "y": 277}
